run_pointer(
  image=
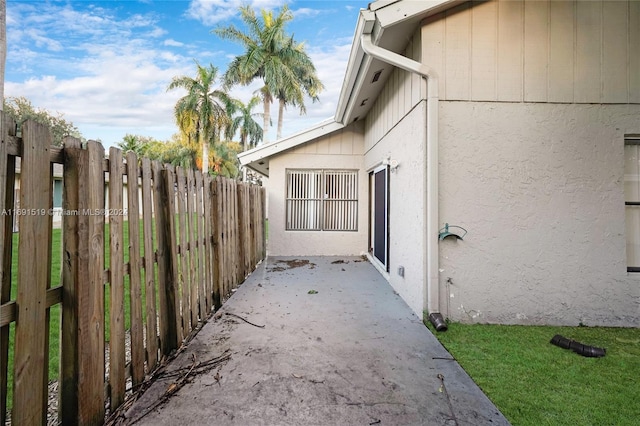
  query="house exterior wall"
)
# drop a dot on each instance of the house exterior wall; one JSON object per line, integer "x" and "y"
{"x": 402, "y": 92}
{"x": 537, "y": 51}
{"x": 536, "y": 98}
{"x": 340, "y": 150}
{"x": 396, "y": 127}
{"x": 539, "y": 187}
{"x": 405, "y": 143}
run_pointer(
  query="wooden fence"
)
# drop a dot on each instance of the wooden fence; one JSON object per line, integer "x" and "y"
{"x": 191, "y": 240}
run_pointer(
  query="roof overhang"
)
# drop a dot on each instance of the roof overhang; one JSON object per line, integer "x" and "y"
{"x": 391, "y": 24}
{"x": 257, "y": 159}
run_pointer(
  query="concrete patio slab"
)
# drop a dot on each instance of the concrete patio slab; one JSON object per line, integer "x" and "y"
{"x": 338, "y": 347}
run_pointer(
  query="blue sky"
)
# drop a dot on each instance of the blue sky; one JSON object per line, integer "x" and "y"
{"x": 106, "y": 65}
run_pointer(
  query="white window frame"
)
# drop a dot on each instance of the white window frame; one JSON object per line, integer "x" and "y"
{"x": 312, "y": 204}
{"x": 632, "y": 203}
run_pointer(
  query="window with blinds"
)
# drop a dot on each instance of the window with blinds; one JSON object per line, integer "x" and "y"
{"x": 322, "y": 200}
{"x": 632, "y": 202}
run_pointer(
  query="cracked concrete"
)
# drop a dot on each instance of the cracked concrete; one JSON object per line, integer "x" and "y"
{"x": 351, "y": 354}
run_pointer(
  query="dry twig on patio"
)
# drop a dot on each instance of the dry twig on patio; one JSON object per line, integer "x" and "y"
{"x": 185, "y": 375}
{"x": 245, "y": 320}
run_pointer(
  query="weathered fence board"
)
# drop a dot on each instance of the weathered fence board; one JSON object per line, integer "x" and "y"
{"x": 69, "y": 339}
{"x": 192, "y": 249}
{"x": 7, "y": 185}
{"x": 216, "y": 218}
{"x": 173, "y": 286}
{"x": 135, "y": 266}
{"x": 91, "y": 300}
{"x": 149, "y": 267}
{"x": 198, "y": 243}
{"x": 183, "y": 253}
{"x": 116, "y": 280}
{"x": 200, "y": 238}
{"x": 31, "y": 355}
{"x": 208, "y": 241}
{"x": 163, "y": 203}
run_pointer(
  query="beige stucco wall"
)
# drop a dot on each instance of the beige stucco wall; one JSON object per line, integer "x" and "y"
{"x": 539, "y": 187}
{"x": 396, "y": 128}
{"x": 405, "y": 142}
{"x": 340, "y": 150}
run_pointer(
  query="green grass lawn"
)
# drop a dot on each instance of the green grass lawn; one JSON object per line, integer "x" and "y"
{"x": 533, "y": 382}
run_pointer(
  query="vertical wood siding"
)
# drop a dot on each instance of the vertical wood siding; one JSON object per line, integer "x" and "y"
{"x": 537, "y": 51}
{"x": 402, "y": 91}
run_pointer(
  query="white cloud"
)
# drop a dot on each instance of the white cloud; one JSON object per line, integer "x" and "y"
{"x": 41, "y": 40}
{"x": 306, "y": 12}
{"x": 111, "y": 74}
{"x": 212, "y": 12}
{"x": 172, "y": 42}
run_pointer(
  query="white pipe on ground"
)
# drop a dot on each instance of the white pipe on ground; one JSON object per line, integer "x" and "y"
{"x": 431, "y": 77}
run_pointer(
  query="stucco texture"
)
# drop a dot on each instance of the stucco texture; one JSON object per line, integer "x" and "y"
{"x": 405, "y": 143}
{"x": 539, "y": 187}
{"x": 340, "y": 150}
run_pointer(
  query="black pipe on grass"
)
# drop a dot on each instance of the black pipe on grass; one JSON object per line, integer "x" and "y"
{"x": 577, "y": 347}
{"x": 438, "y": 321}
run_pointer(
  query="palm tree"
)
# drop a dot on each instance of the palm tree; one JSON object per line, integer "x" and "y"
{"x": 202, "y": 113}
{"x": 269, "y": 55}
{"x": 250, "y": 130}
{"x": 308, "y": 83}
{"x": 133, "y": 143}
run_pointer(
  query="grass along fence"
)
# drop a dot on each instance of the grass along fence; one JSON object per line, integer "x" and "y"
{"x": 191, "y": 240}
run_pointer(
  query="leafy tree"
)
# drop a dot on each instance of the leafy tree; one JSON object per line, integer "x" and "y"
{"x": 179, "y": 151}
{"x": 21, "y": 109}
{"x": 136, "y": 143}
{"x": 182, "y": 151}
{"x": 244, "y": 122}
{"x": 202, "y": 114}
{"x": 272, "y": 56}
{"x": 225, "y": 159}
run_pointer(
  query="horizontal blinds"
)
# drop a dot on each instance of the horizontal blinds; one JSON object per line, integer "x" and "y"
{"x": 322, "y": 200}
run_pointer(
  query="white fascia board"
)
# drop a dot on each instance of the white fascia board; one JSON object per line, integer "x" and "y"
{"x": 390, "y": 13}
{"x": 374, "y": 6}
{"x": 366, "y": 19}
{"x": 271, "y": 149}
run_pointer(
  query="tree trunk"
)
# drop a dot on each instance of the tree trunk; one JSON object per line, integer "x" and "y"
{"x": 280, "y": 114}
{"x": 205, "y": 157}
{"x": 243, "y": 141}
{"x": 267, "y": 119}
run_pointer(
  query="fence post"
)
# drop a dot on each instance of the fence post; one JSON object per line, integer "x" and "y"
{"x": 7, "y": 185}
{"x": 82, "y": 384}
